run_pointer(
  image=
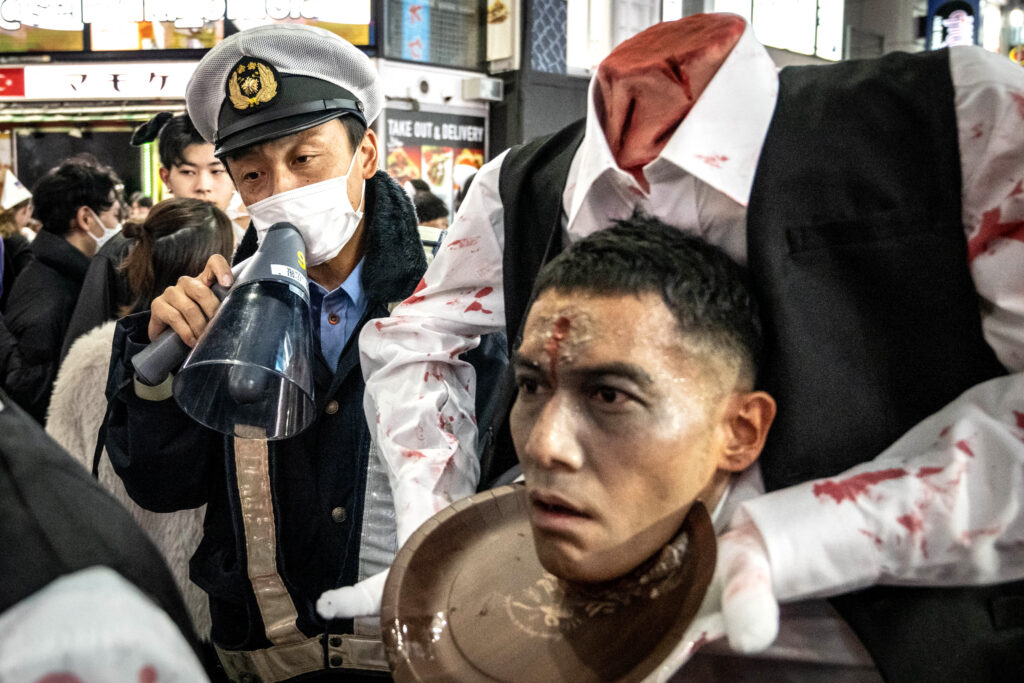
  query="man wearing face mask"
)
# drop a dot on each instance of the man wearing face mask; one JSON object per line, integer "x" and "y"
{"x": 78, "y": 204}
{"x": 287, "y": 108}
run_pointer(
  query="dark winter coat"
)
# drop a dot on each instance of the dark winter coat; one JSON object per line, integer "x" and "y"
{"x": 104, "y": 291}
{"x": 168, "y": 462}
{"x": 36, "y": 321}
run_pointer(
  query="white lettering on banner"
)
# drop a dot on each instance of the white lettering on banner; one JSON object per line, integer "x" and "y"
{"x": 400, "y": 127}
{"x": 123, "y": 81}
{"x": 69, "y": 15}
{"x": 462, "y": 133}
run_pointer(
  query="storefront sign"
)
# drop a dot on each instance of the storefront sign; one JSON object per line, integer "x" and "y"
{"x": 952, "y": 23}
{"x": 416, "y": 30}
{"x": 108, "y": 81}
{"x": 71, "y": 15}
{"x": 441, "y": 149}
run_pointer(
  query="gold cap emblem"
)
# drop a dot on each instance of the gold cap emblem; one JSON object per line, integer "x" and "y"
{"x": 251, "y": 83}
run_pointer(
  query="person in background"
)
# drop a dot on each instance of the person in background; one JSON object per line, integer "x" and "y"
{"x": 886, "y": 248}
{"x": 78, "y": 204}
{"x": 176, "y": 240}
{"x": 188, "y": 168}
{"x": 140, "y": 205}
{"x": 16, "y": 202}
{"x": 433, "y": 221}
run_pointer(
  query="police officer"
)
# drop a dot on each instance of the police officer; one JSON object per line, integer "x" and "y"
{"x": 287, "y": 108}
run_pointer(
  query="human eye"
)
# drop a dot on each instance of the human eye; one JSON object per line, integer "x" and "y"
{"x": 528, "y": 384}
{"x": 611, "y": 398}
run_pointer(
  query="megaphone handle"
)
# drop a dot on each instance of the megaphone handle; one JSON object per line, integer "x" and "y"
{"x": 167, "y": 353}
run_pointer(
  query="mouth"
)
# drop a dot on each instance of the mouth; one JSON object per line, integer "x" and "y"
{"x": 551, "y": 505}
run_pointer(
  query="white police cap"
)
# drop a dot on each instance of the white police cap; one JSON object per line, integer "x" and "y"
{"x": 272, "y": 81}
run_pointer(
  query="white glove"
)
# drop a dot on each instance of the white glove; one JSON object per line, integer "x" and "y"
{"x": 360, "y": 600}
{"x": 744, "y": 577}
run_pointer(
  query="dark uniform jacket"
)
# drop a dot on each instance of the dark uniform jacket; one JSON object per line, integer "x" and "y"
{"x": 36, "y": 321}
{"x": 856, "y": 247}
{"x": 168, "y": 462}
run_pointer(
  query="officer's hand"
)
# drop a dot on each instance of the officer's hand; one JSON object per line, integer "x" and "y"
{"x": 188, "y": 305}
{"x": 743, "y": 575}
{"x": 360, "y": 600}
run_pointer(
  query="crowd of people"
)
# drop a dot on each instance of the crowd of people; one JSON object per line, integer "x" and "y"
{"x": 784, "y": 306}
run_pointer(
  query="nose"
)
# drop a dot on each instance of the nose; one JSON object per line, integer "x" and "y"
{"x": 554, "y": 438}
{"x": 204, "y": 182}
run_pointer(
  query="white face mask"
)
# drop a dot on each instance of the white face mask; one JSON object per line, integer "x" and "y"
{"x": 107, "y": 232}
{"x": 322, "y": 212}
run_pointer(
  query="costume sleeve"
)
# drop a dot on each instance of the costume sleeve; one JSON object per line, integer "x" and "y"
{"x": 943, "y": 505}
{"x": 419, "y": 394}
{"x": 162, "y": 455}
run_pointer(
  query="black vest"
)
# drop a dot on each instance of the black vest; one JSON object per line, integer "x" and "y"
{"x": 857, "y": 250}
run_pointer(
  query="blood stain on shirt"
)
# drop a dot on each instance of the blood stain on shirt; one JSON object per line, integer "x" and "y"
{"x": 911, "y": 522}
{"x": 379, "y": 325}
{"x": 475, "y": 306}
{"x": 963, "y": 446}
{"x": 413, "y": 455}
{"x": 483, "y": 292}
{"x": 977, "y": 130}
{"x": 945, "y": 430}
{"x": 991, "y": 230}
{"x": 928, "y": 471}
{"x": 147, "y": 674}
{"x": 1020, "y": 419}
{"x": 1017, "y": 189}
{"x": 874, "y": 537}
{"x": 463, "y": 243}
{"x": 61, "y": 677}
{"x": 713, "y": 160}
{"x": 849, "y": 489}
{"x": 416, "y": 299}
{"x": 1019, "y": 99}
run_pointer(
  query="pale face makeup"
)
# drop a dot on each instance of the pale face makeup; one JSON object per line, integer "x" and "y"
{"x": 619, "y": 425}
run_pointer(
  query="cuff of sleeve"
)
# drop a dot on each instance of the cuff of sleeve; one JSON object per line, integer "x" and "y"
{"x": 161, "y": 392}
{"x": 816, "y": 547}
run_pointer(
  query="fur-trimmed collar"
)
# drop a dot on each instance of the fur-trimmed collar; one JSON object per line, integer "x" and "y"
{"x": 394, "y": 255}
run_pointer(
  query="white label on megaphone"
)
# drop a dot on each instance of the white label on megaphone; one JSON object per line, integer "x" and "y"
{"x": 288, "y": 272}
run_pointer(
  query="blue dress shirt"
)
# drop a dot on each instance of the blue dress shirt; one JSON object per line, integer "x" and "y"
{"x": 335, "y": 314}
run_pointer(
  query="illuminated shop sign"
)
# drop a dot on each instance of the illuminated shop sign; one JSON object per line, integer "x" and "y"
{"x": 952, "y": 23}
{"x": 71, "y": 15}
{"x": 108, "y": 81}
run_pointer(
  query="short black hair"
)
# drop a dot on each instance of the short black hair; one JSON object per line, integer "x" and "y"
{"x": 140, "y": 198}
{"x": 429, "y": 206}
{"x": 176, "y": 135}
{"x": 707, "y": 292}
{"x": 77, "y": 182}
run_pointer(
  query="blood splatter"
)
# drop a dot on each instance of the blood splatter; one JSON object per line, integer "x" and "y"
{"x": 379, "y": 325}
{"x": 969, "y": 537}
{"x": 945, "y": 430}
{"x": 147, "y": 674}
{"x": 413, "y": 455}
{"x": 849, "y": 489}
{"x": 61, "y": 677}
{"x": 963, "y": 446}
{"x": 977, "y": 130}
{"x": 1019, "y": 99}
{"x": 1020, "y": 419}
{"x": 1017, "y": 189}
{"x": 416, "y": 299}
{"x": 928, "y": 471}
{"x": 463, "y": 243}
{"x": 475, "y": 306}
{"x": 483, "y": 292}
{"x": 874, "y": 537}
{"x": 911, "y": 522}
{"x": 559, "y": 331}
{"x": 991, "y": 230}
{"x": 713, "y": 160}
{"x": 426, "y": 376}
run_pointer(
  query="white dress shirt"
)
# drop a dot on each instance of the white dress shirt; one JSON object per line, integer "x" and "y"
{"x": 941, "y": 506}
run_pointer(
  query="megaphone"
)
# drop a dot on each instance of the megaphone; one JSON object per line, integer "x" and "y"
{"x": 250, "y": 374}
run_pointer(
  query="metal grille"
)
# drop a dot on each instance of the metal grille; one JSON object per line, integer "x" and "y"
{"x": 456, "y": 32}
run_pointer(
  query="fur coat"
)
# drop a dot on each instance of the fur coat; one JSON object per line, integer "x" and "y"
{"x": 76, "y": 411}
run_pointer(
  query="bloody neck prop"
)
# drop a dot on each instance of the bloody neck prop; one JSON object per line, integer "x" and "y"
{"x": 648, "y": 84}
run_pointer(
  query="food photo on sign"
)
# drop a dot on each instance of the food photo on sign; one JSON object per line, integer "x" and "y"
{"x": 443, "y": 150}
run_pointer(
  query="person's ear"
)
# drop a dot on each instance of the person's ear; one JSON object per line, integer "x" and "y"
{"x": 748, "y": 418}
{"x": 165, "y": 175}
{"x": 368, "y": 146}
{"x": 82, "y": 217}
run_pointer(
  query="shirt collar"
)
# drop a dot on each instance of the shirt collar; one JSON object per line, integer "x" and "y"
{"x": 720, "y": 139}
{"x": 352, "y": 286}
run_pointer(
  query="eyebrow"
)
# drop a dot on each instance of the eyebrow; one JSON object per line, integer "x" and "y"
{"x": 632, "y": 372}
